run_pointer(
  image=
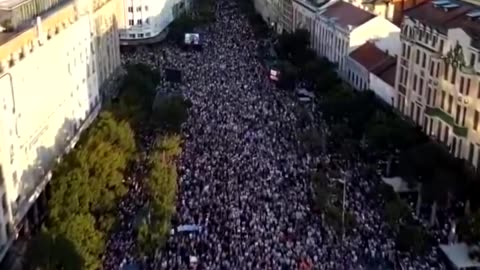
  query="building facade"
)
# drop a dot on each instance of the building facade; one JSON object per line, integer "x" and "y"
{"x": 370, "y": 68}
{"x": 269, "y": 10}
{"x": 342, "y": 27}
{"x": 286, "y": 16}
{"x": 438, "y": 82}
{"x": 50, "y": 76}
{"x": 146, "y": 19}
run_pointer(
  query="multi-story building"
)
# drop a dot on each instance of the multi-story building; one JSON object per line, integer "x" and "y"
{"x": 51, "y": 75}
{"x": 148, "y": 19}
{"x": 342, "y": 27}
{"x": 438, "y": 82}
{"x": 371, "y": 68}
{"x": 304, "y": 13}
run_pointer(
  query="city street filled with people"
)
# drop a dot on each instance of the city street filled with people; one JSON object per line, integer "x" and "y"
{"x": 244, "y": 179}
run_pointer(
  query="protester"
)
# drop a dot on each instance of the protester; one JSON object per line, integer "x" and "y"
{"x": 244, "y": 179}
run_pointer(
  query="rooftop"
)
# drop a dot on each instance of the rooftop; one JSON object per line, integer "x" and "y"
{"x": 443, "y": 18}
{"x": 346, "y": 14}
{"x": 376, "y": 61}
{"x": 10, "y": 4}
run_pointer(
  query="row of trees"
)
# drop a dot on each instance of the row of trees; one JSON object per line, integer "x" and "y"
{"x": 87, "y": 185}
{"x": 85, "y": 189}
{"x": 162, "y": 184}
{"x": 359, "y": 123}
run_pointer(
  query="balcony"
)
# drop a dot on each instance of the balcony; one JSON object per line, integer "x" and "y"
{"x": 445, "y": 117}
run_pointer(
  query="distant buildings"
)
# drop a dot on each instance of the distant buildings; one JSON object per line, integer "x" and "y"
{"x": 438, "y": 74}
{"x": 147, "y": 19}
{"x": 53, "y": 69}
{"x": 342, "y": 27}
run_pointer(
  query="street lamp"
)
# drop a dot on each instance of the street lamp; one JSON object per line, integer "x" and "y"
{"x": 344, "y": 201}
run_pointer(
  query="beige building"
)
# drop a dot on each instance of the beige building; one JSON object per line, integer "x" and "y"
{"x": 438, "y": 82}
{"x": 51, "y": 78}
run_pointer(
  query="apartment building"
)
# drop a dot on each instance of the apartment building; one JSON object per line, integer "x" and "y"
{"x": 342, "y": 27}
{"x": 371, "y": 68}
{"x": 269, "y": 10}
{"x": 51, "y": 75}
{"x": 304, "y": 14}
{"x": 147, "y": 19}
{"x": 438, "y": 82}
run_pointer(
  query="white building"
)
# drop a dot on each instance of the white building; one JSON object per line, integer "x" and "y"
{"x": 50, "y": 78}
{"x": 371, "y": 68}
{"x": 341, "y": 27}
{"x": 304, "y": 13}
{"x": 146, "y": 19}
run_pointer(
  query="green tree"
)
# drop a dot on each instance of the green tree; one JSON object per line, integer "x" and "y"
{"x": 170, "y": 112}
{"x": 47, "y": 251}
{"x": 396, "y": 211}
{"x": 412, "y": 239}
{"x": 162, "y": 182}
{"x": 88, "y": 241}
{"x": 294, "y": 47}
{"x": 180, "y": 26}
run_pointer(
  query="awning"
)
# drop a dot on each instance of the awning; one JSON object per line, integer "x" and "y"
{"x": 398, "y": 184}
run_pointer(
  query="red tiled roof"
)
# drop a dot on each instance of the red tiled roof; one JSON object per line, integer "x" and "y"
{"x": 376, "y": 61}
{"x": 368, "y": 55}
{"x": 347, "y": 14}
{"x": 387, "y": 71}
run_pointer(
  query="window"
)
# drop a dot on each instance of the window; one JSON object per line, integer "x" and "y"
{"x": 457, "y": 114}
{"x": 454, "y": 75}
{"x": 445, "y": 134}
{"x": 404, "y": 51}
{"x": 437, "y": 73}
{"x": 131, "y": 35}
{"x": 4, "y": 203}
{"x": 472, "y": 59}
{"x": 462, "y": 82}
{"x": 417, "y": 57}
{"x": 140, "y": 35}
{"x": 414, "y": 86}
{"x": 476, "y": 116}
{"x": 147, "y": 20}
{"x": 130, "y": 9}
{"x": 464, "y": 116}
{"x": 471, "y": 151}
{"x": 420, "y": 87}
{"x": 417, "y": 117}
{"x": 412, "y": 110}
{"x": 408, "y": 52}
{"x": 146, "y": 8}
{"x": 432, "y": 69}
{"x": 467, "y": 88}
{"x": 442, "y": 104}
{"x": 139, "y": 9}
{"x": 424, "y": 59}
{"x": 450, "y": 103}
{"x": 441, "y": 46}
{"x": 445, "y": 75}
{"x": 130, "y": 22}
{"x": 139, "y": 21}
{"x": 429, "y": 92}
{"x": 439, "y": 130}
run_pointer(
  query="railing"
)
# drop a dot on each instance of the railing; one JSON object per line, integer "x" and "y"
{"x": 445, "y": 117}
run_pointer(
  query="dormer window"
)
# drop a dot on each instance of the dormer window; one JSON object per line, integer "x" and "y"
{"x": 473, "y": 57}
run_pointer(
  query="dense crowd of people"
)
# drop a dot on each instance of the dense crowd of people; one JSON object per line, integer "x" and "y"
{"x": 244, "y": 178}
